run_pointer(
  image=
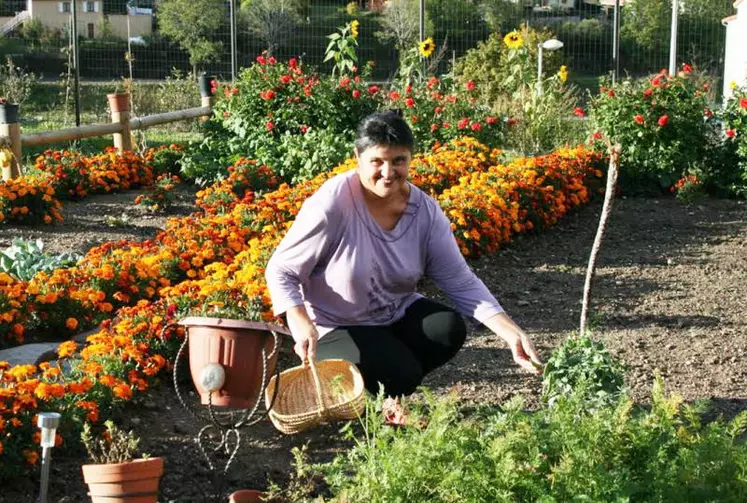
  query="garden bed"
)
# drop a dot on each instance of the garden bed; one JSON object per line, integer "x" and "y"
{"x": 670, "y": 295}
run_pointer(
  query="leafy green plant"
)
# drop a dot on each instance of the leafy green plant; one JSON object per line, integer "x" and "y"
{"x": 113, "y": 445}
{"x": 16, "y": 85}
{"x": 23, "y": 259}
{"x": 341, "y": 49}
{"x": 582, "y": 365}
{"x": 567, "y": 452}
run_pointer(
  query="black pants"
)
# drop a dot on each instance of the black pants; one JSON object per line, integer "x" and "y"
{"x": 399, "y": 355}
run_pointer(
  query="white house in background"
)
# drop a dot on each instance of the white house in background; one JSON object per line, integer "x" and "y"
{"x": 735, "y": 67}
{"x": 90, "y": 13}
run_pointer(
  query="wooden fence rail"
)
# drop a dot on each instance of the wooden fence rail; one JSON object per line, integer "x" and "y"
{"x": 120, "y": 127}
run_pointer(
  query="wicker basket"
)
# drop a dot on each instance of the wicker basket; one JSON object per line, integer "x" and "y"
{"x": 316, "y": 393}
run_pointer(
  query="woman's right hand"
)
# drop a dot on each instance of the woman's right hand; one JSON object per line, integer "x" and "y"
{"x": 304, "y": 333}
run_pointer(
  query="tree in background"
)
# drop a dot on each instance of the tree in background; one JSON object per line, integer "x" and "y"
{"x": 191, "y": 23}
{"x": 646, "y": 23}
{"x": 400, "y": 23}
{"x": 456, "y": 19}
{"x": 502, "y": 16}
{"x": 273, "y": 21}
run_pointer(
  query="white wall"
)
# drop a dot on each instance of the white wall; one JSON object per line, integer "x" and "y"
{"x": 735, "y": 68}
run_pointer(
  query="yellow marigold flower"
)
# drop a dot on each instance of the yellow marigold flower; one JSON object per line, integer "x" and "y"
{"x": 427, "y": 47}
{"x": 733, "y": 85}
{"x": 354, "y": 28}
{"x": 67, "y": 348}
{"x": 513, "y": 40}
{"x": 563, "y": 74}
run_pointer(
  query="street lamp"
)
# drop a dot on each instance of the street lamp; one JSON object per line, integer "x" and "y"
{"x": 48, "y": 422}
{"x": 551, "y": 45}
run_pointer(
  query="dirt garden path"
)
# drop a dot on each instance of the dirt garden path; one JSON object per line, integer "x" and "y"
{"x": 671, "y": 294}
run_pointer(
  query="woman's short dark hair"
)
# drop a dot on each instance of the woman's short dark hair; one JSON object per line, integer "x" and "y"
{"x": 384, "y": 128}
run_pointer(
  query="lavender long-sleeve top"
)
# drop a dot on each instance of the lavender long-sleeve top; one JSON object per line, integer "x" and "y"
{"x": 347, "y": 270}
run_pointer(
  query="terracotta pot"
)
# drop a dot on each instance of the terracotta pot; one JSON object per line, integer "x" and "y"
{"x": 235, "y": 345}
{"x": 119, "y": 102}
{"x": 8, "y": 113}
{"x": 132, "y": 482}
{"x": 246, "y": 496}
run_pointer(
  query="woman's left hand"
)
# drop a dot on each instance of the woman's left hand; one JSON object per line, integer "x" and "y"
{"x": 520, "y": 344}
{"x": 524, "y": 353}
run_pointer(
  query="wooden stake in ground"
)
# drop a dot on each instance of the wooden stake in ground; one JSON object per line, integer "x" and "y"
{"x": 609, "y": 195}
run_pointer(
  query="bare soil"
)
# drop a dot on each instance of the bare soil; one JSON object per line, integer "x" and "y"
{"x": 670, "y": 294}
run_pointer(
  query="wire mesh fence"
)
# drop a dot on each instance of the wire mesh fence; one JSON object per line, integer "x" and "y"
{"x": 160, "y": 44}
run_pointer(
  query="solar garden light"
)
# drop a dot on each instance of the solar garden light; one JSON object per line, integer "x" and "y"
{"x": 551, "y": 45}
{"x": 48, "y": 422}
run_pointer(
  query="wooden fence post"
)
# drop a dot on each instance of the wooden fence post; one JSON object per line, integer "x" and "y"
{"x": 10, "y": 127}
{"x": 119, "y": 104}
{"x": 208, "y": 86}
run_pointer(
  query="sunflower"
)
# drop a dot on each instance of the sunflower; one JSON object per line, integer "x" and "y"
{"x": 513, "y": 40}
{"x": 563, "y": 74}
{"x": 427, "y": 47}
{"x": 354, "y": 28}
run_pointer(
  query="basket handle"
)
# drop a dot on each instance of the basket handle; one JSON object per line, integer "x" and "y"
{"x": 317, "y": 387}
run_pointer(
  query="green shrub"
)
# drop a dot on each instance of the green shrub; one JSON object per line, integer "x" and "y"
{"x": 567, "y": 452}
{"x": 583, "y": 367}
{"x": 662, "y": 124}
{"x": 282, "y": 115}
{"x": 732, "y": 175}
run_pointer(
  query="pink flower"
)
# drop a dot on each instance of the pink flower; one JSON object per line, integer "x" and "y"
{"x": 743, "y": 103}
{"x": 270, "y": 125}
{"x": 272, "y": 60}
{"x": 730, "y": 133}
{"x": 293, "y": 63}
{"x": 707, "y": 112}
{"x": 434, "y": 128}
{"x": 579, "y": 112}
{"x": 261, "y": 60}
{"x": 491, "y": 120}
{"x": 611, "y": 93}
{"x": 344, "y": 81}
{"x": 476, "y": 126}
{"x": 686, "y": 68}
{"x": 373, "y": 89}
{"x": 304, "y": 129}
{"x": 648, "y": 92}
{"x": 410, "y": 102}
{"x": 285, "y": 79}
{"x": 470, "y": 85}
{"x": 356, "y": 93}
{"x": 463, "y": 123}
{"x": 267, "y": 95}
{"x": 394, "y": 95}
{"x": 597, "y": 135}
{"x": 663, "y": 120}
{"x": 638, "y": 118}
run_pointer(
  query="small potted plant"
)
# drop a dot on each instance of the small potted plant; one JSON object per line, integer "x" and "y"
{"x": 8, "y": 111}
{"x": 116, "y": 475}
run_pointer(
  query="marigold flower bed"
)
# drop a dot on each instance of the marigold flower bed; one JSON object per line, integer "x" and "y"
{"x": 215, "y": 262}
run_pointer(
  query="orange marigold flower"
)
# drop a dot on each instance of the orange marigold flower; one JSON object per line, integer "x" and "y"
{"x": 107, "y": 380}
{"x": 71, "y": 323}
{"x": 31, "y": 456}
{"x": 123, "y": 391}
{"x": 67, "y": 348}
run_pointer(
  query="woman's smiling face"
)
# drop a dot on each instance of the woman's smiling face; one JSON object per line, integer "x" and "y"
{"x": 383, "y": 169}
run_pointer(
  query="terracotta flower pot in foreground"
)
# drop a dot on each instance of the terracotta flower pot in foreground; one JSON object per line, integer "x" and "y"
{"x": 135, "y": 481}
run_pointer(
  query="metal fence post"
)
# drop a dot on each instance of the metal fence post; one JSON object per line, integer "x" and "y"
{"x": 10, "y": 127}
